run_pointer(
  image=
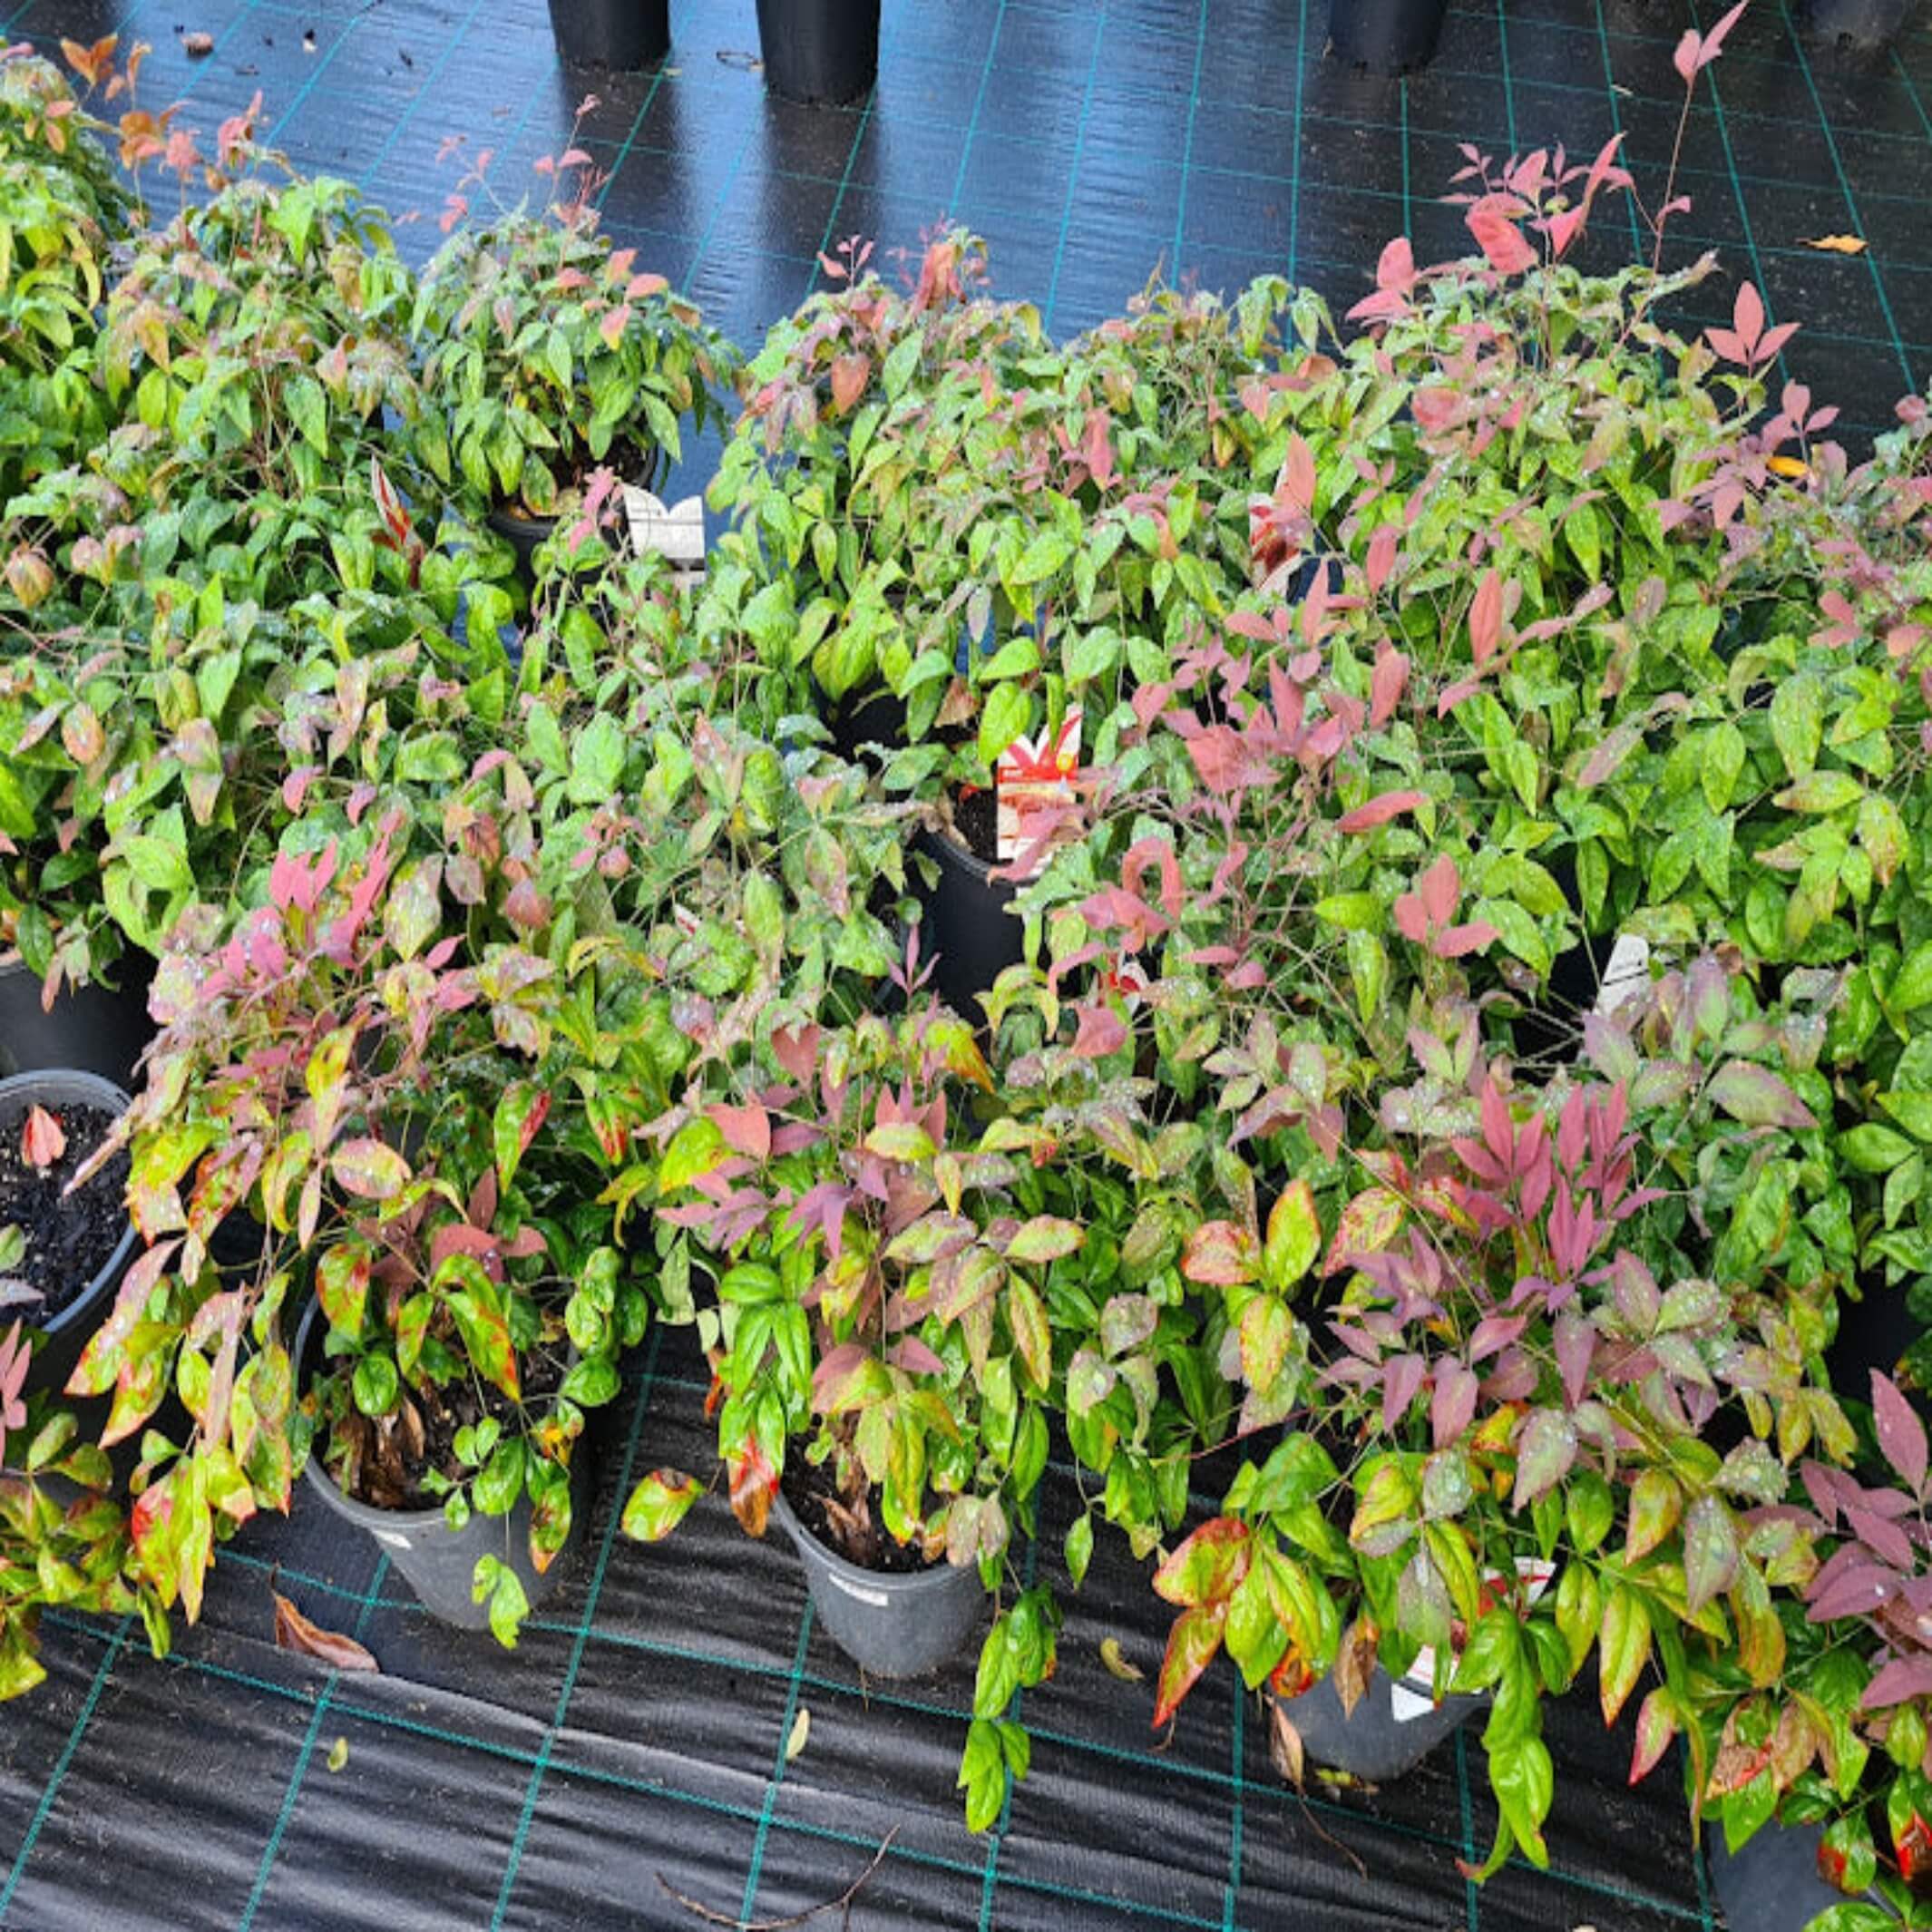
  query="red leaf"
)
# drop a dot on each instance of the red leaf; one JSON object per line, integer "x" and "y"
{"x": 1383, "y": 549}
{"x": 1297, "y": 485}
{"x": 753, "y": 1485}
{"x": 1656, "y": 1726}
{"x": 1453, "y": 941}
{"x": 1101, "y": 1031}
{"x": 1486, "y": 617}
{"x": 1492, "y": 220}
{"x": 640, "y": 286}
{"x": 850, "y": 375}
{"x": 1219, "y": 1255}
{"x": 748, "y": 1130}
{"x": 42, "y": 1140}
{"x": 1207, "y": 1567}
{"x": 1380, "y": 811}
{"x": 1440, "y": 888}
{"x": 1902, "y": 1678}
{"x": 613, "y": 323}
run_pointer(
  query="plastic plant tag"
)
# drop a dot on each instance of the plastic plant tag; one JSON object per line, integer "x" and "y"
{"x": 1030, "y": 775}
{"x": 675, "y": 532}
{"x": 1414, "y": 1695}
{"x": 1627, "y": 978}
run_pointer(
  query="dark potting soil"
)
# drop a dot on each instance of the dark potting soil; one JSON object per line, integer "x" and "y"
{"x": 976, "y": 819}
{"x": 383, "y": 1460}
{"x": 69, "y": 1242}
{"x": 853, "y": 1532}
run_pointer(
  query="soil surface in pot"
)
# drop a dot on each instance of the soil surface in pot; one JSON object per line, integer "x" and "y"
{"x": 849, "y": 1530}
{"x": 69, "y": 1242}
{"x": 633, "y": 465}
{"x": 383, "y": 1460}
{"x": 976, "y": 823}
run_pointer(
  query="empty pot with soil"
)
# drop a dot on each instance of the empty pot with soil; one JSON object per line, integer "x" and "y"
{"x": 94, "y": 1028}
{"x": 64, "y": 1255}
{"x": 895, "y": 1615}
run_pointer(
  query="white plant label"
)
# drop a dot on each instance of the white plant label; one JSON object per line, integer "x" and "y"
{"x": 1030, "y": 775}
{"x": 1414, "y": 1695}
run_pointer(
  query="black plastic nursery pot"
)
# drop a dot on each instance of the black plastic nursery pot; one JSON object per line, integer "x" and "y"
{"x": 1856, "y": 26}
{"x": 891, "y": 1624}
{"x": 965, "y": 925}
{"x": 869, "y": 716}
{"x": 1386, "y": 37}
{"x": 60, "y": 1339}
{"x": 440, "y": 1563}
{"x": 819, "y": 51}
{"x": 622, "y": 35}
{"x": 1772, "y": 1883}
{"x": 1385, "y": 1736}
{"x": 98, "y": 1029}
{"x": 524, "y": 534}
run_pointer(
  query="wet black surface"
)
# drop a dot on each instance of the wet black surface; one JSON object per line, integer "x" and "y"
{"x": 1093, "y": 140}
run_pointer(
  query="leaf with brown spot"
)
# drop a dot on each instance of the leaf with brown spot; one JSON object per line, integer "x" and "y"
{"x": 293, "y": 1631}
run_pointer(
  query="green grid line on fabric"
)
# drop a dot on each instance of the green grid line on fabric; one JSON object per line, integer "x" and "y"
{"x": 444, "y": 1734}
{"x": 874, "y": 1695}
{"x": 51, "y": 1790}
{"x": 1502, "y": 48}
{"x": 979, "y": 102}
{"x": 613, "y": 1516}
{"x": 795, "y": 1682}
{"x": 1851, "y": 206}
{"x": 1737, "y": 187}
{"x": 1237, "y": 1754}
{"x": 1294, "y": 191}
{"x": 1073, "y": 170}
{"x": 1194, "y": 114}
{"x": 273, "y": 1848}
{"x": 1472, "y": 1903}
{"x": 844, "y": 184}
{"x": 1616, "y": 123}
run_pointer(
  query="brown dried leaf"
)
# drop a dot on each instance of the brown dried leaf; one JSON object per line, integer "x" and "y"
{"x": 198, "y": 44}
{"x": 1834, "y": 244}
{"x": 1285, "y": 1746}
{"x": 1355, "y": 1664}
{"x": 42, "y": 1140}
{"x": 293, "y": 1631}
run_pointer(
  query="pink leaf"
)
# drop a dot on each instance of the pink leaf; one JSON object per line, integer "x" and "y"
{"x": 1686, "y": 58}
{"x": 748, "y": 1130}
{"x": 1901, "y": 1435}
{"x": 1101, "y": 1031}
{"x": 1486, "y": 617}
{"x": 1747, "y": 316}
{"x": 1714, "y": 40}
{"x": 1442, "y": 887}
{"x": 1380, "y": 811}
{"x": 42, "y": 1140}
{"x": 1297, "y": 486}
{"x": 1902, "y": 1678}
{"x": 1453, "y": 1408}
{"x": 1455, "y": 940}
{"x": 1493, "y": 222}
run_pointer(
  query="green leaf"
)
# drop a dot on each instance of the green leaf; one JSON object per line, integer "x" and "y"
{"x": 1080, "y": 1548}
{"x": 1911, "y": 986}
{"x": 499, "y": 1585}
{"x": 1524, "y": 1781}
{"x": 370, "y": 1169}
{"x": 1045, "y": 554}
{"x": 374, "y": 1385}
{"x": 658, "y": 1504}
{"x": 591, "y": 1383}
{"x": 1045, "y": 1238}
{"x": 1709, "y": 1551}
{"x": 1007, "y": 713}
{"x": 597, "y": 769}
{"x": 1721, "y": 762}
{"x": 1821, "y": 791}
{"x": 519, "y": 1112}
{"x": 1295, "y": 1237}
{"x": 1624, "y": 1649}
{"x": 900, "y": 1140}
{"x": 697, "y": 1148}
{"x": 1797, "y": 718}
{"x": 1874, "y": 1149}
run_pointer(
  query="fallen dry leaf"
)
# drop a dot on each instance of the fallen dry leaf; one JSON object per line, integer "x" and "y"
{"x": 42, "y": 1140}
{"x": 338, "y": 1754}
{"x": 1355, "y": 1664}
{"x": 1834, "y": 244}
{"x": 801, "y": 1731}
{"x": 195, "y": 45}
{"x": 1116, "y": 1664}
{"x": 1788, "y": 467}
{"x": 293, "y": 1631}
{"x": 1285, "y": 1746}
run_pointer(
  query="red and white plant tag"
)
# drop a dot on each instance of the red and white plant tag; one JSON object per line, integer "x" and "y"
{"x": 1030, "y": 776}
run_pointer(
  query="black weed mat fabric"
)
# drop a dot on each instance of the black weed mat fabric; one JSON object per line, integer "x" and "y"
{"x": 1093, "y": 141}
{"x": 634, "y": 1748}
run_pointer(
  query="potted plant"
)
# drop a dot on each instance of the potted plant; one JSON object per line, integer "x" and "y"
{"x": 62, "y": 1253}
{"x": 551, "y": 356}
{"x": 819, "y": 50}
{"x": 1386, "y": 37}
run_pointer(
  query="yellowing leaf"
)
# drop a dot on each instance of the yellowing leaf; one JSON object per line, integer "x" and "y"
{"x": 1834, "y": 244}
{"x": 1116, "y": 1664}
{"x": 338, "y": 1754}
{"x": 801, "y": 1731}
{"x": 1787, "y": 466}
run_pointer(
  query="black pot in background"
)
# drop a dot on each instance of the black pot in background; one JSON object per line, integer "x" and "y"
{"x": 1873, "y": 1332}
{"x": 1857, "y": 25}
{"x": 97, "y": 1029}
{"x": 890, "y": 1625}
{"x": 523, "y": 534}
{"x": 59, "y": 1343}
{"x": 1372, "y": 1742}
{"x": 1772, "y": 1884}
{"x": 439, "y": 1562}
{"x": 620, "y": 34}
{"x": 870, "y": 716}
{"x": 1386, "y": 37}
{"x": 965, "y": 925}
{"x": 819, "y": 50}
